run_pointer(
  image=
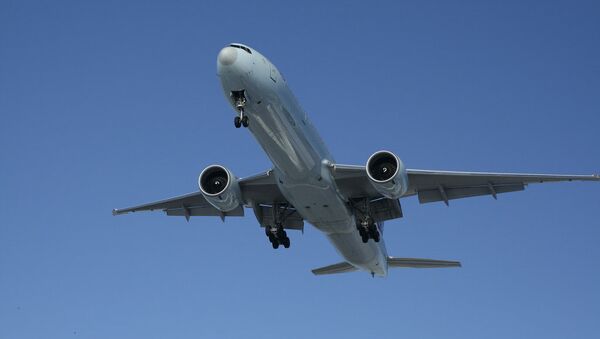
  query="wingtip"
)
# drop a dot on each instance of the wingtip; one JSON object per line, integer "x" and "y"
{"x": 115, "y": 211}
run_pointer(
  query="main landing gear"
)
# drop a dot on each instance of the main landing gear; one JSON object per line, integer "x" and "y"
{"x": 368, "y": 230}
{"x": 367, "y": 227}
{"x": 277, "y": 236}
{"x": 239, "y": 100}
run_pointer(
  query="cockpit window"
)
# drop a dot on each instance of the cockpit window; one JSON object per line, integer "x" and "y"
{"x": 242, "y": 47}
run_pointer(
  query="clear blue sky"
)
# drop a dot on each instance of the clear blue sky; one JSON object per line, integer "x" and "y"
{"x": 111, "y": 103}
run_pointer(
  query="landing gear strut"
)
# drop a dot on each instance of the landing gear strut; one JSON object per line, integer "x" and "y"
{"x": 276, "y": 234}
{"x": 239, "y": 99}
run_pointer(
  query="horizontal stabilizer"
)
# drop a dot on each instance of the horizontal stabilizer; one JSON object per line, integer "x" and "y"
{"x": 421, "y": 263}
{"x": 342, "y": 267}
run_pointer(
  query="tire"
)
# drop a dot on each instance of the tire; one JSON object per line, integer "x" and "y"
{"x": 286, "y": 242}
{"x": 376, "y": 236}
{"x": 275, "y": 244}
{"x": 237, "y": 122}
{"x": 365, "y": 238}
{"x": 245, "y": 121}
{"x": 281, "y": 232}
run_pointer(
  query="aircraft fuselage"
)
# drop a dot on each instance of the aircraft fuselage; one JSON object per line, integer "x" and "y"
{"x": 299, "y": 156}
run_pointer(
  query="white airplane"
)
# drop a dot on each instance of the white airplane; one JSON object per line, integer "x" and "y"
{"x": 349, "y": 204}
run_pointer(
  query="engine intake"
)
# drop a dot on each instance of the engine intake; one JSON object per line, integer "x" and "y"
{"x": 387, "y": 174}
{"x": 220, "y": 188}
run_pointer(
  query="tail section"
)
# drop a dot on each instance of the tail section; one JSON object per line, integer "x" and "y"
{"x": 345, "y": 267}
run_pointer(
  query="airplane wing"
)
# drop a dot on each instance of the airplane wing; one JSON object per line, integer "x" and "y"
{"x": 256, "y": 190}
{"x": 431, "y": 186}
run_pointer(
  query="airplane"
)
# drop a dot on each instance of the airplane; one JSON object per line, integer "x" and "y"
{"x": 348, "y": 203}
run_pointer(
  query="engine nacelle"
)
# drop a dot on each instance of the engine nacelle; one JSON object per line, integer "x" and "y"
{"x": 387, "y": 174}
{"x": 220, "y": 188}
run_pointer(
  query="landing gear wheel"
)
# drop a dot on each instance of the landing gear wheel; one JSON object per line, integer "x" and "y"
{"x": 376, "y": 236}
{"x": 275, "y": 244}
{"x": 374, "y": 233}
{"x": 245, "y": 121}
{"x": 286, "y": 242}
{"x": 237, "y": 122}
{"x": 364, "y": 235}
{"x": 280, "y": 232}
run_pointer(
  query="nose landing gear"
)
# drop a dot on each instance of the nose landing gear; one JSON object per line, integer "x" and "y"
{"x": 239, "y": 99}
{"x": 241, "y": 120}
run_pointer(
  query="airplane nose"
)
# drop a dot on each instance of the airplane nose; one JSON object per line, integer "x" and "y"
{"x": 227, "y": 56}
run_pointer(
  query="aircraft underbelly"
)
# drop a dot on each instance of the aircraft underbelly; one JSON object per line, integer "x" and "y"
{"x": 369, "y": 257}
{"x": 298, "y": 155}
{"x": 324, "y": 209}
{"x": 295, "y": 149}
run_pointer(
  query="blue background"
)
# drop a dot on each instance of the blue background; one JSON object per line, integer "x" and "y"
{"x": 111, "y": 103}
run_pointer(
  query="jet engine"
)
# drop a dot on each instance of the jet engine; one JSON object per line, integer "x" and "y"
{"x": 387, "y": 174}
{"x": 220, "y": 188}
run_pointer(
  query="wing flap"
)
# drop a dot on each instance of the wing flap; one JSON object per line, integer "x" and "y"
{"x": 203, "y": 212}
{"x": 193, "y": 200}
{"x": 437, "y": 194}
